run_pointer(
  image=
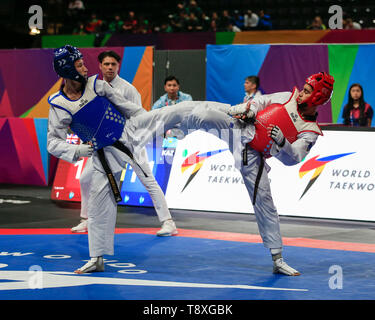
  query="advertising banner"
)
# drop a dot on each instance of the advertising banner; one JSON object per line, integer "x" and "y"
{"x": 336, "y": 180}
{"x": 160, "y": 156}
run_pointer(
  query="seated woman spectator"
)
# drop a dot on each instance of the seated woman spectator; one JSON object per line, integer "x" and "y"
{"x": 357, "y": 112}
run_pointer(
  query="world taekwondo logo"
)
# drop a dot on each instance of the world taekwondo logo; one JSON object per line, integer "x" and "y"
{"x": 197, "y": 160}
{"x": 318, "y": 165}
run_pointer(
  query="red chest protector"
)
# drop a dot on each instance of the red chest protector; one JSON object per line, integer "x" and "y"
{"x": 287, "y": 118}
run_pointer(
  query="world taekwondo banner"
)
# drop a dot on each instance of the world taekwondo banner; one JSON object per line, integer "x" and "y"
{"x": 336, "y": 180}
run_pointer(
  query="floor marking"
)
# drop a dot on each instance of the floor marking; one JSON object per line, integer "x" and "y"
{"x": 215, "y": 235}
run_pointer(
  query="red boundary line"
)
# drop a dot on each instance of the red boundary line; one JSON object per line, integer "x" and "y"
{"x": 215, "y": 235}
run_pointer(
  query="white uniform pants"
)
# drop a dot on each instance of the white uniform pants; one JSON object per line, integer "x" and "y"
{"x": 208, "y": 116}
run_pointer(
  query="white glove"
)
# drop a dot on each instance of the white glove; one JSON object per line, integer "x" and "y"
{"x": 275, "y": 133}
{"x": 242, "y": 111}
{"x": 84, "y": 150}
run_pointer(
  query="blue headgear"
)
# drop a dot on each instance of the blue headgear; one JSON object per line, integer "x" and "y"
{"x": 63, "y": 62}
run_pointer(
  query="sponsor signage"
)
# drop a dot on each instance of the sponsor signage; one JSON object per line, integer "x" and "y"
{"x": 160, "y": 156}
{"x": 66, "y": 183}
{"x": 336, "y": 180}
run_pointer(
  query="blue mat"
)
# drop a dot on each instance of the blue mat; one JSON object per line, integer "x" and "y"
{"x": 146, "y": 267}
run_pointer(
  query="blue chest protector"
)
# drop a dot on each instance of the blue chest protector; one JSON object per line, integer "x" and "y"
{"x": 94, "y": 118}
{"x": 99, "y": 122}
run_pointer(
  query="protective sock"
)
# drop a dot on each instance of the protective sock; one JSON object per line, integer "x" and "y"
{"x": 276, "y": 253}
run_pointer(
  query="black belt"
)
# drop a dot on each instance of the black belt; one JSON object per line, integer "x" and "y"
{"x": 112, "y": 182}
{"x": 260, "y": 171}
{"x": 257, "y": 180}
{"x": 111, "y": 178}
{"x": 120, "y": 146}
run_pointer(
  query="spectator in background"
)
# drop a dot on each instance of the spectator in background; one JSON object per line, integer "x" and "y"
{"x": 166, "y": 28}
{"x": 143, "y": 26}
{"x": 192, "y": 23}
{"x": 75, "y": 8}
{"x": 93, "y": 26}
{"x": 116, "y": 24}
{"x": 317, "y": 24}
{"x": 181, "y": 22}
{"x": 206, "y": 22}
{"x": 238, "y": 20}
{"x": 213, "y": 26}
{"x": 215, "y": 17}
{"x": 173, "y": 94}
{"x": 130, "y": 23}
{"x": 194, "y": 8}
{"x": 264, "y": 22}
{"x": 225, "y": 20}
{"x": 349, "y": 24}
{"x": 250, "y": 20}
{"x": 357, "y": 112}
{"x": 80, "y": 29}
{"x": 251, "y": 87}
{"x": 181, "y": 8}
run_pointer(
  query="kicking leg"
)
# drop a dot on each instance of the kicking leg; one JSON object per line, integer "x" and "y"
{"x": 212, "y": 118}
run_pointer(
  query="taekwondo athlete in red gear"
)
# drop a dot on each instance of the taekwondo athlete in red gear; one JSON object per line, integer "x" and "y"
{"x": 282, "y": 125}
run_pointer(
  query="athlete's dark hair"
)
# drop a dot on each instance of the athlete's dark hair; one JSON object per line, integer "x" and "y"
{"x": 108, "y": 53}
{"x": 253, "y": 79}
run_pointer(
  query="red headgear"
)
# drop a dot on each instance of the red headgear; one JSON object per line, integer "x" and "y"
{"x": 322, "y": 84}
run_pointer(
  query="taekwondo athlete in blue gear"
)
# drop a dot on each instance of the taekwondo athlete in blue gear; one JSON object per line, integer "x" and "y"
{"x": 90, "y": 96}
{"x": 109, "y": 65}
